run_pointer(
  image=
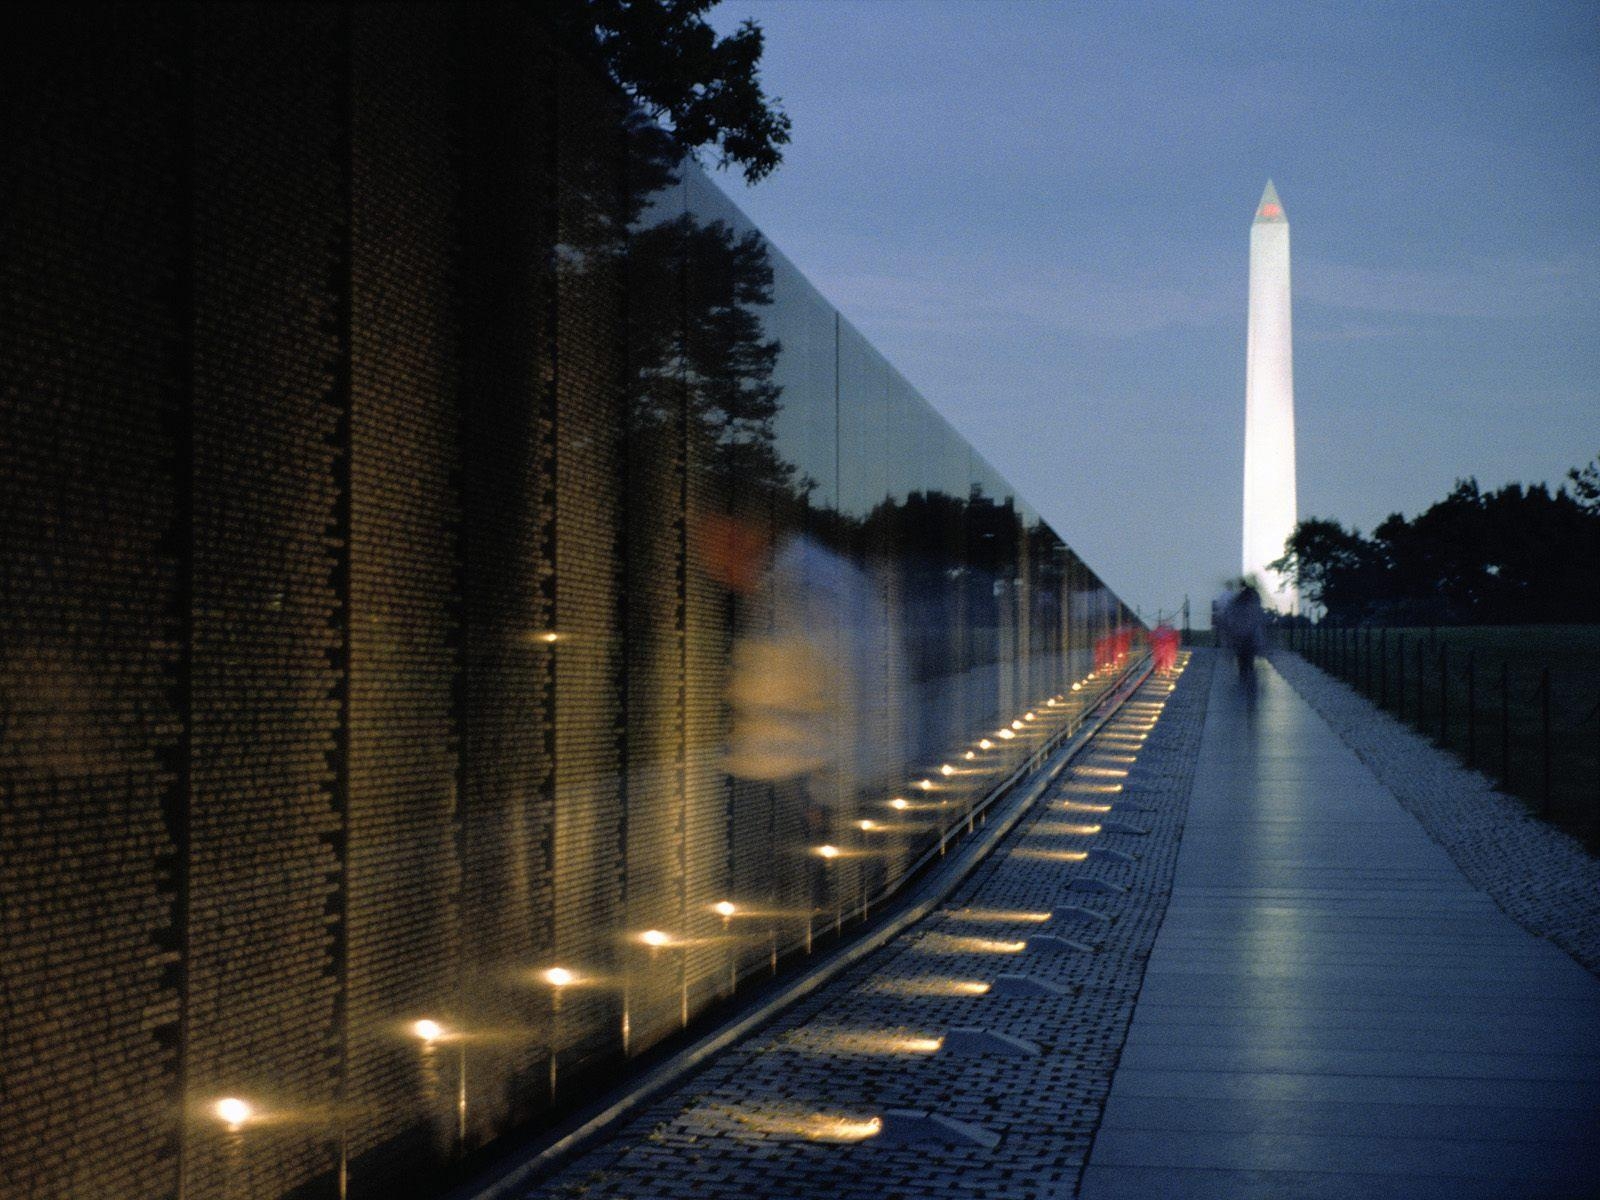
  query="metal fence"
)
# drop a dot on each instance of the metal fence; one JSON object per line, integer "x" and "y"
{"x": 1531, "y": 724}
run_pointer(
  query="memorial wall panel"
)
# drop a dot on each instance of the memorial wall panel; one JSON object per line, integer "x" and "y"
{"x": 653, "y": 867}
{"x": 265, "y": 861}
{"x": 588, "y": 489}
{"x": 505, "y": 690}
{"x": 401, "y": 919}
{"x": 470, "y": 604}
{"x": 93, "y": 551}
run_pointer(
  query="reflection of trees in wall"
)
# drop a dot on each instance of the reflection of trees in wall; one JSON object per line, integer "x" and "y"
{"x": 697, "y": 351}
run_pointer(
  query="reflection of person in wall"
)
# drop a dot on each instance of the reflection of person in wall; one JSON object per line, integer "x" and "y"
{"x": 804, "y": 685}
{"x": 1164, "y": 647}
{"x": 795, "y": 688}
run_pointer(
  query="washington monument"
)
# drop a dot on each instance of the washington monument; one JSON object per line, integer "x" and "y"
{"x": 1269, "y": 497}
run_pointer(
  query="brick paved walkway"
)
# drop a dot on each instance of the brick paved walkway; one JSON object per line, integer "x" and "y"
{"x": 782, "y": 1114}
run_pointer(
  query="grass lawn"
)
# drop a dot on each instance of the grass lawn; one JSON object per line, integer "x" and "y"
{"x": 1502, "y": 733}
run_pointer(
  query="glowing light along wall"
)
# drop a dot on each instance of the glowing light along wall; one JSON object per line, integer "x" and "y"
{"x": 1269, "y": 483}
{"x": 383, "y": 401}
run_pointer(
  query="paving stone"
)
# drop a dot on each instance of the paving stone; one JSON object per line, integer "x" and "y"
{"x": 1332, "y": 1007}
{"x": 1540, "y": 876}
{"x": 771, "y": 1115}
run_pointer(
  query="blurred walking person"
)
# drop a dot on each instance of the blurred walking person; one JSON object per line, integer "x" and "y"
{"x": 1241, "y": 624}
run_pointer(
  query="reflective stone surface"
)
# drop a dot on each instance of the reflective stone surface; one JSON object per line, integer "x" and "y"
{"x": 469, "y": 604}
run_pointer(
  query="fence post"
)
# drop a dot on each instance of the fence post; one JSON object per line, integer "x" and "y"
{"x": 1505, "y": 727}
{"x": 1422, "y": 687}
{"x": 1444, "y": 694}
{"x": 1400, "y": 676}
{"x": 1472, "y": 709}
{"x": 1383, "y": 667}
{"x": 1544, "y": 738}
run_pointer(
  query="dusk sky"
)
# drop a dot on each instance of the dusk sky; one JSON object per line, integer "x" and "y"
{"x": 1040, "y": 213}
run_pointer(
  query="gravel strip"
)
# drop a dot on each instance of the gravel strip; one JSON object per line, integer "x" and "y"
{"x": 858, "y": 1047}
{"x": 1540, "y": 876}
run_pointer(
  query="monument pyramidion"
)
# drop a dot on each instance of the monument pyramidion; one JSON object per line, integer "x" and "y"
{"x": 1269, "y": 487}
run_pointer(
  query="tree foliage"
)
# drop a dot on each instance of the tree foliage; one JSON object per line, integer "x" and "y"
{"x": 705, "y": 88}
{"x": 1514, "y": 555}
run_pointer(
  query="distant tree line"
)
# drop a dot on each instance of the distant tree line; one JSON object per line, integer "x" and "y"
{"x": 1516, "y": 555}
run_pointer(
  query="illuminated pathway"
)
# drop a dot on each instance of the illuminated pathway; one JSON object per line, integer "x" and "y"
{"x": 1038, "y": 954}
{"x": 1331, "y": 1009}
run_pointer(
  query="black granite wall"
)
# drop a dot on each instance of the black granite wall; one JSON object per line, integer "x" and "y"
{"x": 387, "y": 413}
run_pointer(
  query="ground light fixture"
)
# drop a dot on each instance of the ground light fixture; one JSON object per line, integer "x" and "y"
{"x": 233, "y": 1112}
{"x": 856, "y": 1041}
{"x": 1002, "y": 915}
{"x": 430, "y": 1033}
{"x": 559, "y": 979}
{"x": 932, "y": 987}
{"x": 948, "y": 943}
{"x": 1071, "y": 856}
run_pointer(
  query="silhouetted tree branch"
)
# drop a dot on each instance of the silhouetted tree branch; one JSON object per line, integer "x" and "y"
{"x": 705, "y": 88}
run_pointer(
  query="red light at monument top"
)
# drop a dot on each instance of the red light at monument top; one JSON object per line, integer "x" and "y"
{"x": 1271, "y": 210}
